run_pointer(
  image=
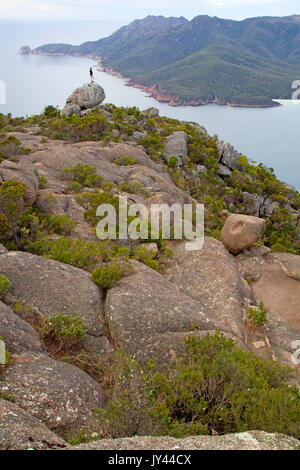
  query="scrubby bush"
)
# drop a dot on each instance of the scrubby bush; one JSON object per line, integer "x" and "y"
{"x": 133, "y": 187}
{"x": 86, "y": 175}
{"x": 125, "y": 161}
{"x": 61, "y": 224}
{"x": 133, "y": 408}
{"x": 50, "y": 111}
{"x": 216, "y": 387}
{"x": 74, "y": 186}
{"x": 173, "y": 161}
{"x": 42, "y": 180}
{"x": 107, "y": 274}
{"x": 5, "y": 227}
{"x": 93, "y": 200}
{"x": 282, "y": 234}
{"x": 11, "y": 203}
{"x": 10, "y": 146}
{"x": 146, "y": 257}
{"x": 63, "y": 331}
{"x": 75, "y": 128}
{"x": 5, "y": 284}
{"x": 258, "y": 315}
{"x": 79, "y": 253}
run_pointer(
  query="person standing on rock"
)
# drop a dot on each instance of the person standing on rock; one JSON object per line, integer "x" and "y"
{"x": 92, "y": 74}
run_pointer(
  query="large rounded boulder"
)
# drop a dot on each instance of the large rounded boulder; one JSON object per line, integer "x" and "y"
{"x": 61, "y": 395}
{"x": 241, "y": 231}
{"x": 88, "y": 96}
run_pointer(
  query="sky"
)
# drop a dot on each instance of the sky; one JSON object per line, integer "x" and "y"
{"x": 127, "y": 10}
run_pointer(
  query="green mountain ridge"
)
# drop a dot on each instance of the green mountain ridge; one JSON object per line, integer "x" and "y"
{"x": 247, "y": 62}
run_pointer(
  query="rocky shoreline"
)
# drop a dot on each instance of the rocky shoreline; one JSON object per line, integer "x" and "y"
{"x": 155, "y": 90}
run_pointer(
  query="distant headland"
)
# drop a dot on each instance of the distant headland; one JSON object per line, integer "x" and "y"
{"x": 205, "y": 60}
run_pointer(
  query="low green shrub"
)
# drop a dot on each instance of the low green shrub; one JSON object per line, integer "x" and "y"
{"x": 74, "y": 186}
{"x": 67, "y": 326}
{"x": 42, "y": 180}
{"x": 107, "y": 274}
{"x": 5, "y": 284}
{"x": 6, "y": 396}
{"x": 133, "y": 187}
{"x": 82, "y": 437}
{"x": 146, "y": 257}
{"x": 216, "y": 387}
{"x": 61, "y": 224}
{"x": 173, "y": 161}
{"x": 258, "y": 315}
{"x": 86, "y": 175}
{"x": 79, "y": 253}
{"x": 91, "y": 202}
{"x": 5, "y": 227}
{"x": 10, "y": 146}
{"x": 63, "y": 331}
{"x": 125, "y": 161}
{"x": 11, "y": 203}
{"x": 76, "y": 128}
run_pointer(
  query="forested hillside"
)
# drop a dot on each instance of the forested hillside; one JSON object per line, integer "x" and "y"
{"x": 208, "y": 59}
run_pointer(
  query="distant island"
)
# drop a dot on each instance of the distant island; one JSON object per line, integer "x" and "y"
{"x": 206, "y": 60}
{"x": 25, "y": 50}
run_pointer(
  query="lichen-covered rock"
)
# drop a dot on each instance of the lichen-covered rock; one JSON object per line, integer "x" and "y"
{"x": 252, "y": 440}
{"x": 88, "y": 96}
{"x": 210, "y": 277}
{"x": 138, "y": 135}
{"x": 149, "y": 317}
{"x": 154, "y": 112}
{"x": 176, "y": 146}
{"x": 223, "y": 170}
{"x": 19, "y": 337}
{"x": 54, "y": 288}
{"x": 20, "y": 430}
{"x": 60, "y": 394}
{"x": 228, "y": 155}
{"x": 284, "y": 342}
{"x": 14, "y": 171}
{"x": 250, "y": 261}
{"x": 259, "y": 206}
{"x": 241, "y": 231}
{"x": 71, "y": 109}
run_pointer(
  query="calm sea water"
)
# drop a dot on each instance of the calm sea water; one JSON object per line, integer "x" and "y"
{"x": 268, "y": 135}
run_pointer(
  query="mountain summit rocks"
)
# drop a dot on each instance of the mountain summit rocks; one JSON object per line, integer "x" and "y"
{"x": 88, "y": 96}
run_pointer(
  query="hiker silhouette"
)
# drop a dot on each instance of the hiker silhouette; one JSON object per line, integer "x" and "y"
{"x": 92, "y": 74}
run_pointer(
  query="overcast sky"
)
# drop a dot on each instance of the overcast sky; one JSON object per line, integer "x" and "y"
{"x": 129, "y": 9}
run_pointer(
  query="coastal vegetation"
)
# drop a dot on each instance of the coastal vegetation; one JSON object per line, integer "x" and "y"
{"x": 124, "y": 320}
